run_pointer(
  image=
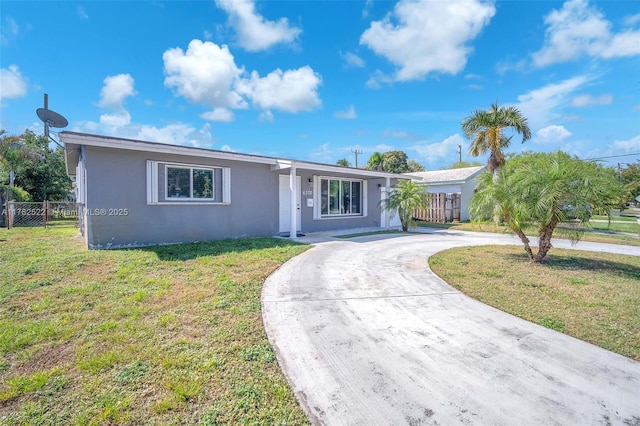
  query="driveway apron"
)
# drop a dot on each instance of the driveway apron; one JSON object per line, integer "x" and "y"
{"x": 366, "y": 334}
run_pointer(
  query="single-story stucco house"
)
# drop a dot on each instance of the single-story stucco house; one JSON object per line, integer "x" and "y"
{"x": 452, "y": 181}
{"x": 136, "y": 193}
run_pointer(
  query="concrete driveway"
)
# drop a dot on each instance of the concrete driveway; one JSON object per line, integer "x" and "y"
{"x": 366, "y": 334}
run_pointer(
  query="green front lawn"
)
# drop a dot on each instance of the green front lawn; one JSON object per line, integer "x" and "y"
{"x": 162, "y": 335}
{"x": 591, "y": 296}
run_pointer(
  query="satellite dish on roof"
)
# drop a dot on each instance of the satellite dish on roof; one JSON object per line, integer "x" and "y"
{"x": 50, "y": 119}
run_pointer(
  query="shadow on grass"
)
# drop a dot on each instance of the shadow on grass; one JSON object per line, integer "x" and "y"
{"x": 423, "y": 224}
{"x": 584, "y": 263}
{"x": 189, "y": 251}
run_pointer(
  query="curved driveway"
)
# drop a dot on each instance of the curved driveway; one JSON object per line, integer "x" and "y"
{"x": 366, "y": 334}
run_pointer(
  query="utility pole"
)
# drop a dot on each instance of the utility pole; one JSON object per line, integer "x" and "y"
{"x": 356, "y": 152}
{"x": 459, "y": 153}
{"x": 619, "y": 173}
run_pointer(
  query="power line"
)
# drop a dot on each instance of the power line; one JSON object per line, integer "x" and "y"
{"x": 613, "y": 156}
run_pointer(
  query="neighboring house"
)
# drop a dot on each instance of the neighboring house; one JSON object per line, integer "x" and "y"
{"x": 136, "y": 193}
{"x": 452, "y": 181}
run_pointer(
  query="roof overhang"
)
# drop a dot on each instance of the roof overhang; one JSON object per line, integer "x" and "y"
{"x": 73, "y": 142}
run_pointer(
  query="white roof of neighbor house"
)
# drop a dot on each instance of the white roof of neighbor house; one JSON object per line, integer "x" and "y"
{"x": 449, "y": 175}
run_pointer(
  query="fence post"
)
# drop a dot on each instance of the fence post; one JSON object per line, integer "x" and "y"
{"x": 9, "y": 215}
{"x": 44, "y": 212}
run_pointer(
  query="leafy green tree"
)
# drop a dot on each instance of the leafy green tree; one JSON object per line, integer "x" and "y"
{"x": 630, "y": 177}
{"x": 343, "y": 162}
{"x": 464, "y": 164}
{"x": 42, "y": 173}
{"x": 395, "y": 162}
{"x": 486, "y": 131}
{"x": 375, "y": 162}
{"x": 404, "y": 198}
{"x": 13, "y": 152}
{"x": 543, "y": 190}
{"x": 414, "y": 166}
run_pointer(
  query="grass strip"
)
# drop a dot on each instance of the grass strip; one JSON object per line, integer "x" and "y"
{"x": 591, "y": 296}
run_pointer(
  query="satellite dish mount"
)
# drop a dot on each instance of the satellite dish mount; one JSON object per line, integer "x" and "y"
{"x": 51, "y": 119}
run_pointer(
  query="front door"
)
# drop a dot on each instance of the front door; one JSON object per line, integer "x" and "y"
{"x": 285, "y": 204}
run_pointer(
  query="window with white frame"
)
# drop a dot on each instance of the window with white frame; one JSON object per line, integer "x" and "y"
{"x": 171, "y": 183}
{"x": 340, "y": 197}
{"x": 189, "y": 182}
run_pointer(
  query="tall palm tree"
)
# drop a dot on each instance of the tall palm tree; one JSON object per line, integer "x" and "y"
{"x": 486, "y": 128}
{"x": 376, "y": 162}
{"x": 343, "y": 162}
{"x": 405, "y": 197}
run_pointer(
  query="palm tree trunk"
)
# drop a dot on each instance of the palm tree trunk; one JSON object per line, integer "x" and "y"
{"x": 496, "y": 175}
{"x": 544, "y": 242}
{"x": 525, "y": 241}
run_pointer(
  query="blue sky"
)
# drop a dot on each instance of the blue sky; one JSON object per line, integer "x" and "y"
{"x": 314, "y": 80}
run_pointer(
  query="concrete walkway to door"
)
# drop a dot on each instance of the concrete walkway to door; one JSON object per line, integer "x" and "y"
{"x": 367, "y": 335}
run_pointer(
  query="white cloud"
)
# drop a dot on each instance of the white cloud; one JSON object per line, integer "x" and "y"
{"x": 116, "y": 88}
{"x": 578, "y": 29}
{"x": 226, "y": 148}
{"x": 9, "y": 30}
{"x": 205, "y": 74}
{"x": 539, "y": 105}
{"x": 253, "y": 31}
{"x": 503, "y": 67}
{"x": 401, "y": 134}
{"x": 266, "y": 116}
{"x": 421, "y": 37}
{"x": 629, "y": 145}
{"x": 472, "y": 76}
{"x": 322, "y": 153}
{"x": 368, "y": 5}
{"x": 588, "y": 100}
{"x": 349, "y": 113}
{"x": 553, "y": 133}
{"x": 82, "y": 13}
{"x": 175, "y": 133}
{"x": 474, "y": 86}
{"x": 12, "y": 84}
{"x": 632, "y": 19}
{"x": 218, "y": 114}
{"x": 291, "y": 91}
{"x": 208, "y": 35}
{"x": 352, "y": 60}
{"x": 445, "y": 150}
{"x": 119, "y": 118}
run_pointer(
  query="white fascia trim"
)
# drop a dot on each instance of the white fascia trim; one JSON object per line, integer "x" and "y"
{"x": 195, "y": 203}
{"x": 361, "y": 173}
{"x": 281, "y": 165}
{"x": 116, "y": 143}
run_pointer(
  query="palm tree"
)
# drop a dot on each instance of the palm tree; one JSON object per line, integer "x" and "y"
{"x": 406, "y": 197}
{"x": 376, "y": 162}
{"x": 542, "y": 191}
{"x": 487, "y": 130}
{"x": 343, "y": 162}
